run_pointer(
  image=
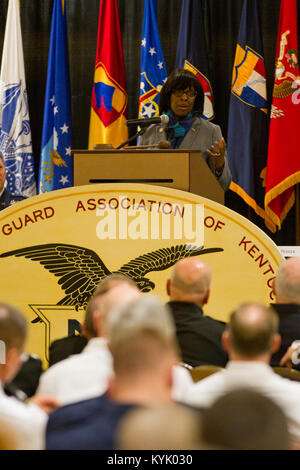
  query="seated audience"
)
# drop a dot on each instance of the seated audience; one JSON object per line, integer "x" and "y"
{"x": 156, "y": 318}
{"x": 62, "y": 348}
{"x": 85, "y": 375}
{"x": 25, "y": 383}
{"x": 250, "y": 339}
{"x": 26, "y": 423}
{"x": 162, "y": 427}
{"x": 287, "y": 293}
{"x": 244, "y": 419}
{"x": 143, "y": 356}
{"x": 199, "y": 336}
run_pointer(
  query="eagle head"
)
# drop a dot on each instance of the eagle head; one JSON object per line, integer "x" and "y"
{"x": 144, "y": 284}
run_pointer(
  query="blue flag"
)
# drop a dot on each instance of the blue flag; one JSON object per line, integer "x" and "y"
{"x": 153, "y": 68}
{"x": 15, "y": 135}
{"x": 247, "y": 141}
{"x": 191, "y": 51}
{"x": 56, "y": 166}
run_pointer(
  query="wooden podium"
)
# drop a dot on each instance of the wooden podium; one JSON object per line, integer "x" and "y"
{"x": 178, "y": 169}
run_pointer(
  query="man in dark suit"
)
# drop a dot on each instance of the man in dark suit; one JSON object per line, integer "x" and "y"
{"x": 199, "y": 336}
{"x": 287, "y": 293}
{"x": 6, "y": 198}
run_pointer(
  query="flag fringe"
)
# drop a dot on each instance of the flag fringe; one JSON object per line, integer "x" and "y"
{"x": 252, "y": 203}
{"x": 276, "y": 191}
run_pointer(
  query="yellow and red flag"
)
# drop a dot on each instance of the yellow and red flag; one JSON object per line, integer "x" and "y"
{"x": 283, "y": 165}
{"x": 109, "y": 97}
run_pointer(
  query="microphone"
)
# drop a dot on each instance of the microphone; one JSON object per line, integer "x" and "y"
{"x": 163, "y": 119}
{"x": 162, "y": 145}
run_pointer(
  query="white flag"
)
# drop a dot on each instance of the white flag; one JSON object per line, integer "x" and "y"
{"x": 15, "y": 136}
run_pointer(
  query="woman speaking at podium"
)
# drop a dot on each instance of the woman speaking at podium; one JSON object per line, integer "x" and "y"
{"x": 182, "y": 100}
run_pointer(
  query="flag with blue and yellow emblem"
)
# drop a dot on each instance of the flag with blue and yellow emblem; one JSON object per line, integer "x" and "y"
{"x": 15, "y": 135}
{"x": 153, "y": 68}
{"x": 109, "y": 96}
{"x": 191, "y": 51}
{"x": 56, "y": 165}
{"x": 247, "y": 141}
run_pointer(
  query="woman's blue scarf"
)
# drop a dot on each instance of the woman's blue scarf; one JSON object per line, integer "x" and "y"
{"x": 178, "y": 130}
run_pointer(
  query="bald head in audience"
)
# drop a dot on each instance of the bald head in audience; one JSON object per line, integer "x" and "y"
{"x": 190, "y": 282}
{"x": 198, "y": 335}
{"x": 252, "y": 333}
{"x": 287, "y": 282}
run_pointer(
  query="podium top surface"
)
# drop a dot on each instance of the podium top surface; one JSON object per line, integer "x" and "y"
{"x": 128, "y": 149}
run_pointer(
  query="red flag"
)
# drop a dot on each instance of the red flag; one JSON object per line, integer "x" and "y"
{"x": 283, "y": 165}
{"x": 109, "y": 97}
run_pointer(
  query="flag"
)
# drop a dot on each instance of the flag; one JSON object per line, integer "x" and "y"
{"x": 56, "y": 166}
{"x": 15, "y": 136}
{"x": 283, "y": 167}
{"x": 153, "y": 68}
{"x": 247, "y": 140}
{"x": 109, "y": 96}
{"x": 191, "y": 51}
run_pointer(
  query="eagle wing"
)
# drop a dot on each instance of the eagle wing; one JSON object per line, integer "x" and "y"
{"x": 162, "y": 259}
{"x": 79, "y": 269}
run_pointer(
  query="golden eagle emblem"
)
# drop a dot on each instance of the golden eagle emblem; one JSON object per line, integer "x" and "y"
{"x": 80, "y": 269}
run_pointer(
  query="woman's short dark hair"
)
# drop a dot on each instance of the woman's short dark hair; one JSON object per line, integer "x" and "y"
{"x": 180, "y": 79}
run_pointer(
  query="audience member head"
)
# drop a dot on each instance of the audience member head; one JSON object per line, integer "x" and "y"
{"x": 113, "y": 280}
{"x": 12, "y": 335}
{"x": 163, "y": 427}
{"x": 245, "y": 420}
{"x": 144, "y": 350}
{"x": 287, "y": 282}
{"x": 2, "y": 173}
{"x": 190, "y": 282}
{"x": 95, "y": 304}
{"x": 110, "y": 300}
{"x": 252, "y": 333}
{"x": 146, "y": 311}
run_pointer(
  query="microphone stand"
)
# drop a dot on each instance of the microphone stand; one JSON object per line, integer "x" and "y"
{"x": 137, "y": 134}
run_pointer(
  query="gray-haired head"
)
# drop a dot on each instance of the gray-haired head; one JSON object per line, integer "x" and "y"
{"x": 142, "y": 340}
{"x": 287, "y": 281}
{"x": 144, "y": 312}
